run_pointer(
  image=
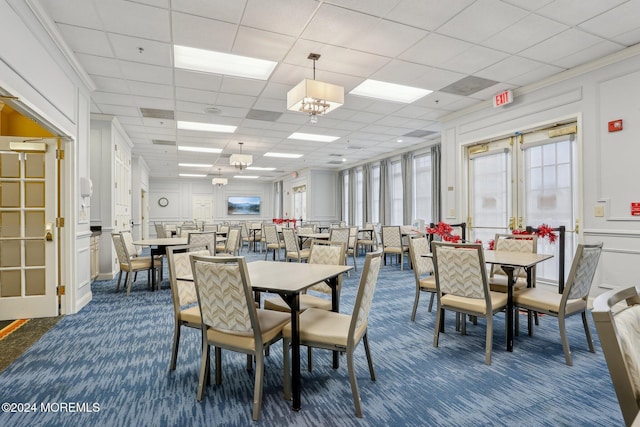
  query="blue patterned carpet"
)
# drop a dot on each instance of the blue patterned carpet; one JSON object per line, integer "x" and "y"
{"x": 113, "y": 356}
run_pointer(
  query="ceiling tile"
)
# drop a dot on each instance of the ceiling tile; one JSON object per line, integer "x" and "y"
{"x": 614, "y": 22}
{"x": 203, "y": 33}
{"x": 337, "y": 26}
{"x": 387, "y": 38}
{"x": 279, "y": 16}
{"x": 474, "y": 59}
{"x": 135, "y": 19}
{"x": 481, "y": 20}
{"x": 261, "y": 44}
{"x": 146, "y": 73}
{"x": 129, "y": 49}
{"x": 573, "y": 12}
{"x": 560, "y": 46}
{"x": 223, "y": 10}
{"x": 427, "y": 14}
{"x": 434, "y": 49}
{"x": 528, "y": 31}
{"x": 84, "y": 40}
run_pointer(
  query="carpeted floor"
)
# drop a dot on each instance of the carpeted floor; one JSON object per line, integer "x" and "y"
{"x": 112, "y": 360}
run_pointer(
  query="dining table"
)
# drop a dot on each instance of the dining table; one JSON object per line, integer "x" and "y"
{"x": 509, "y": 261}
{"x": 159, "y": 247}
{"x": 302, "y": 237}
{"x": 289, "y": 279}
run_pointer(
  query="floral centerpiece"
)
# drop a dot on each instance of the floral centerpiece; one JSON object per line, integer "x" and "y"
{"x": 543, "y": 231}
{"x": 444, "y": 230}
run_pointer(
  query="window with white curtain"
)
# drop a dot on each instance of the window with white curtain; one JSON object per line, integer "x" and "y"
{"x": 345, "y": 196}
{"x": 396, "y": 193}
{"x": 422, "y": 179}
{"x": 359, "y": 207}
{"x": 375, "y": 194}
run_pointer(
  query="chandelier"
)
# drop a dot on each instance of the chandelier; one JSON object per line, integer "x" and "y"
{"x": 219, "y": 180}
{"x": 314, "y": 97}
{"x": 240, "y": 160}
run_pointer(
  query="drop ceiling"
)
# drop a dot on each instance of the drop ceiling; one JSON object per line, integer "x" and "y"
{"x": 465, "y": 51}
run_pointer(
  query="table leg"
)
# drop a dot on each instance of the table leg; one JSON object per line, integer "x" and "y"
{"x": 153, "y": 253}
{"x": 510, "y": 284}
{"x": 293, "y": 301}
{"x": 335, "y": 306}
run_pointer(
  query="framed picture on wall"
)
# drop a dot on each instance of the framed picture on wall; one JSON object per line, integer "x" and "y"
{"x": 240, "y": 205}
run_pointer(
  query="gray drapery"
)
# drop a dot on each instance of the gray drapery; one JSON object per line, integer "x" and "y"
{"x": 407, "y": 187}
{"x": 352, "y": 197}
{"x": 340, "y": 197}
{"x": 436, "y": 195}
{"x": 277, "y": 199}
{"x": 385, "y": 193}
{"x": 366, "y": 193}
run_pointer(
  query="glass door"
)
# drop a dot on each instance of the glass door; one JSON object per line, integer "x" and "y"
{"x": 526, "y": 180}
{"x": 28, "y": 235}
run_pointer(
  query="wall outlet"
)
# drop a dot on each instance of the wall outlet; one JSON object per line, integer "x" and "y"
{"x": 598, "y": 210}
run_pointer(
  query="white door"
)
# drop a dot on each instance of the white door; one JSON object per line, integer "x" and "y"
{"x": 526, "y": 180}
{"x": 28, "y": 235}
{"x": 203, "y": 209}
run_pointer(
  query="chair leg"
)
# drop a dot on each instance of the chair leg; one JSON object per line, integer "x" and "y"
{"x": 489, "y": 344}
{"x": 438, "y": 326}
{"x": 286, "y": 363}
{"x": 203, "y": 369}
{"x": 309, "y": 359}
{"x": 257, "y": 387}
{"x": 588, "y": 332}
{"x": 433, "y": 295}
{"x": 401, "y": 261}
{"x": 415, "y": 304}
{"x": 565, "y": 341}
{"x": 367, "y": 350}
{"x": 128, "y": 280}
{"x": 249, "y": 363}
{"x": 354, "y": 383}
{"x": 176, "y": 341}
{"x": 118, "y": 285}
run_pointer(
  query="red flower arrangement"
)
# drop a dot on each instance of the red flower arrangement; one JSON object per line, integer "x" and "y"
{"x": 543, "y": 231}
{"x": 284, "y": 220}
{"x": 444, "y": 230}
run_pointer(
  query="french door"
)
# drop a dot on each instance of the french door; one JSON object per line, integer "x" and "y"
{"x": 28, "y": 235}
{"x": 526, "y": 180}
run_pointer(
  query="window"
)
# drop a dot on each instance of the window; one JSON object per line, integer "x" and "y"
{"x": 359, "y": 199}
{"x": 375, "y": 194}
{"x": 345, "y": 196}
{"x": 422, "y": 196}
{"x": 396, "y": 193}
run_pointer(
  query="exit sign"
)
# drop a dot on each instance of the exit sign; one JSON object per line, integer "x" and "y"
{"x": 503, "y": 98}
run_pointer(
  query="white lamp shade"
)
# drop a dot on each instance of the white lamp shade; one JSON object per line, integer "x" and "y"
{"x": 315, "y": 97}
{"x": 219, "y": 181}
{"x": 240, "y": 160}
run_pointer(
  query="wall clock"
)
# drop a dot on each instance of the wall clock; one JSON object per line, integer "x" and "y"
{"x": 163, "y": 201}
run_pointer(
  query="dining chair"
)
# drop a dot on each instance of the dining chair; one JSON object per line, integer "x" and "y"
{"x": 353, "y": 246}
{"x": 572, "y": 301}
{"x": 183, "y": 291}
{"x": 231, "y": 321}
{"x": 202, "y": 238}
{"x": 523, "y": 243}
{"x": 369, "y": 242}
{"x": 619, "y": 332}
{"x": 233, "y": 243}
{"x": 337, "y": 331}
{"x": 291, "y": 248}
{"x": 160, "y": 231}
{"x": 462, "y": 286}
{"x": 321, "y": 252}
{"x": 422, "y": 272}
{"x": 210, "y": 227}
{"x": 392, "y": 243}
{"x": 306, "y": 230}
{"x": 272, "y": 240}
{"x": 130, "y": 264}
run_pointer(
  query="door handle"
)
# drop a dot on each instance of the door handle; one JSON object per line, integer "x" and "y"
{"x": 48, "y": 231}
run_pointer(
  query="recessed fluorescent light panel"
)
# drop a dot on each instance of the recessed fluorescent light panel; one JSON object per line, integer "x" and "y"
{"x": 389, "y": 91}
{"x": 257, "y": 168}
{"x": 284, "y": 155}
{"x": 208, "y": 61}
{"x": 195, "y": 165}
{"x": 199, "y": 149}
{"x": 206, "y": 127}
{"x": 247, "y": 176}
{"x": 313, "y": 137}
{"x": 192, "y": 175}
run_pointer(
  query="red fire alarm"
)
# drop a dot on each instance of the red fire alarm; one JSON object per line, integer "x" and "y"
{"x": 615, "y": 125}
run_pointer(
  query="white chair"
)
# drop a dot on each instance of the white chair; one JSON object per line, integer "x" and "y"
{"x": 619, "y": 332}
{"x": 230, "y": 319}
{"x": 573, "y": 299}
{"x": 339, "y": 332}
{"x": 422, "y": 272}
{"x": 461, "y": 281}
{"x": 183, "y": 291}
